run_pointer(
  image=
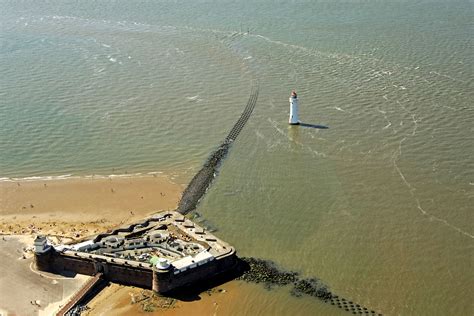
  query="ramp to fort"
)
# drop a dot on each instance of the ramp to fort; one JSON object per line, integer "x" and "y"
{"x": 80, "y": 294}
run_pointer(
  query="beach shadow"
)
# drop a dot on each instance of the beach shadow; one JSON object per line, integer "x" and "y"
{"x": 53, "y": 273}
{"x": 194, "y": 291}
{"x": 67, "y": 273}
{"x": 102, "y": 284}
{"x": 313, "y": 125}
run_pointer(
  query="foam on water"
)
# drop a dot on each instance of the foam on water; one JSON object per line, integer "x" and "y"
{"x": 75, "y": 177}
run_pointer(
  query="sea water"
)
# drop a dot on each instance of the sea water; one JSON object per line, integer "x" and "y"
{"x": 374, "y": 197}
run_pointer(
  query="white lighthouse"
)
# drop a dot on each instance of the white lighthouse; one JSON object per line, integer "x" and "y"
{"x": 294, "y": 120}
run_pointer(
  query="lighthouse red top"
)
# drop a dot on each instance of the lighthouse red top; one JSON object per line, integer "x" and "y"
{"x": 293, "y": 94}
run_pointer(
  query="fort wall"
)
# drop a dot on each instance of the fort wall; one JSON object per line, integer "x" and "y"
{"x": 149, "y": 278}
{"x": 129, "y": 276}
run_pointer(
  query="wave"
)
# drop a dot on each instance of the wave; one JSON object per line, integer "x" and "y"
{"x": 71, "y": 176}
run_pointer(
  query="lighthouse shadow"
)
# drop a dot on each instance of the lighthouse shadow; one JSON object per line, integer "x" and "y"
{"x": 313, "y": 125}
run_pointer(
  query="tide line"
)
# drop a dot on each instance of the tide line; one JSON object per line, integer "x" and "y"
{"x": 70, "y": 177}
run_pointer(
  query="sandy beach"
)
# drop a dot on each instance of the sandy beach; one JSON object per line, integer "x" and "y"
{"x": 79, "y": 207}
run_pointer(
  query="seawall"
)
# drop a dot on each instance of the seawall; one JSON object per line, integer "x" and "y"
{"x": 146, "y": 276}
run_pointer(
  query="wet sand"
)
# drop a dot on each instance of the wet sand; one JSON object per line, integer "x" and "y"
{"x": 80, "y": 207}
{"x": 231, "y": 298}
{"x": 123, "y": 301}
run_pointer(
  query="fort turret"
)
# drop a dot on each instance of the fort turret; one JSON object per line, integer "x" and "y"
{"x": 43, "y": 252}
{"x": 41, "y": 245}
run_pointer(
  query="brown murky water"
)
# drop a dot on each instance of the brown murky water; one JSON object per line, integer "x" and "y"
{"x": 378, "y": 204}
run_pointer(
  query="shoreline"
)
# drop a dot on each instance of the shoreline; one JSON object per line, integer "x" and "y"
{"x": 77, "y": 207}
{"x": 70, "y": 176}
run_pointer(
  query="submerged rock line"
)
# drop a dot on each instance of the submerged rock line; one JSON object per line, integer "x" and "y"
{"x": 202, "y": 180}
{"x": 269, "y": 274}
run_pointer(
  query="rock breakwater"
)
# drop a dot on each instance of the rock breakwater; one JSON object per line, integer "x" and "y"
{"x": 269, "y": 274}
{"x": 203, "y": 179}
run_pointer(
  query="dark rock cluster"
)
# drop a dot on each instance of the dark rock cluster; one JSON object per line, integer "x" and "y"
{"x": 311, "y": 287}
{"x": 263, "y": 271}
{"x": 267, "y": 273}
